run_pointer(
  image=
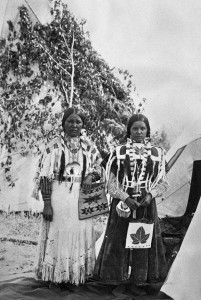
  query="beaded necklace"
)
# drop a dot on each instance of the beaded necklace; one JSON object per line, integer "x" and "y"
{"x": 73, "y": 144}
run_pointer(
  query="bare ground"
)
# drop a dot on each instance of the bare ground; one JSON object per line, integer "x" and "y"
{"x": 18, "y": 241}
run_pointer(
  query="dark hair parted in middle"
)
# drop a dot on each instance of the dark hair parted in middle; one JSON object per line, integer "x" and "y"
{"x": 135, "y": 118}
{"x": 69, "y": 111}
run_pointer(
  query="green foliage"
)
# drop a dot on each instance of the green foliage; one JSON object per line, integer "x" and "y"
{"x": 45, "y": 68}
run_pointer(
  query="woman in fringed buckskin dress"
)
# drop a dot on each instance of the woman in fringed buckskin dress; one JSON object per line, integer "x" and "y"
{"x": 135, "y": 172}
{"x": 66, "y": 250}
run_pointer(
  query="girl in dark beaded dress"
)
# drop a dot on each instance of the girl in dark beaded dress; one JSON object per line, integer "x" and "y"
{"x": 135, "y": 173}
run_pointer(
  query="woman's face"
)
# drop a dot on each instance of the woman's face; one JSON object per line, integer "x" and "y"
{"x": 138, "y": 131}
{"x": 73, "y": 125}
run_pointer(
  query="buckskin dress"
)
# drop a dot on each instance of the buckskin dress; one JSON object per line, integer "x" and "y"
{"x": 130, "y": 163}
{"x": 66, "y": 249}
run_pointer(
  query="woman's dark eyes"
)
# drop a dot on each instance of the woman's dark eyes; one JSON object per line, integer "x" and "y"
{"x": 78, "y": 122}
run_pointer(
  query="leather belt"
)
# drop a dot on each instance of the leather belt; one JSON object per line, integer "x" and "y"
{"x": 68, "y": 178}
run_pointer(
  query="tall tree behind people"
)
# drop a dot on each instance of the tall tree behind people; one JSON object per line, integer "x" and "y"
{"x": 46, "y": 68}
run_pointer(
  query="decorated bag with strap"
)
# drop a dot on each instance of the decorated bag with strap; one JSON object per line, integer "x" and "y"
{"x": 140, "y": 233}
{"x": 92, "y": 202}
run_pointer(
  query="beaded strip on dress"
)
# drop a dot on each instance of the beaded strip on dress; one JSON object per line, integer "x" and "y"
{"x": 55, "y": 150}
{"x": 137, "y": 152}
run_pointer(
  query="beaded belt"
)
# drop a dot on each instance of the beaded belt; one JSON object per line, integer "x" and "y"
{"x": 137, "y": 188}
{"x": 68, "y": 178}
{"x": 132, "y": 184}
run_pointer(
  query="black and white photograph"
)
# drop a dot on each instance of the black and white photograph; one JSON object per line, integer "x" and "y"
{"x": 100, "y": 149}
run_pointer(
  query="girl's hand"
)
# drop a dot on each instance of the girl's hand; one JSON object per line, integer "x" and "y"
{"x": 146, "y": 200}
{"x": 48, "y": 211}
{"x": 132, "y": 203}
{"x": 87, "y": 182}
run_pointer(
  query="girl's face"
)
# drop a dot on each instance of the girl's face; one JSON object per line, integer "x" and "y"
{"x": 73, "y": 125}
{"x": 138, "y": 131}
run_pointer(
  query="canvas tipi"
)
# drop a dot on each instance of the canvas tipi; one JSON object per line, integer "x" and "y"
{"x": 19, "y": 197}
{"x": 39, "y": 11}
{"x": 184, "y": 159}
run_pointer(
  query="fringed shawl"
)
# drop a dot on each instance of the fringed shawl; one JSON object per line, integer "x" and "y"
{"x": 50, "y": 160}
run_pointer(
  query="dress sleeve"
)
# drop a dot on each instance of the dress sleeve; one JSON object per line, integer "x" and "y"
{"x": 42, "y": 179}
{"x": 45, "y": 183}
{"x": 46, "y": 188}
{"x": 161, "y": 185}
{"x": 159, "y": 189}
{"x": 114, "y": 191}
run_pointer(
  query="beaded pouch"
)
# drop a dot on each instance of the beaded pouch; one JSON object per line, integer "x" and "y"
{"x": 92, "y": 202}
{"x": 140, "y": 233}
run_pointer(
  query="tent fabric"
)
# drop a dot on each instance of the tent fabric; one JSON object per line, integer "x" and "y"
{"x": 24, "y": 286}
{"x": 195, "y": 189}
{"x": 39, "y": 11}
{"x": 185, "y": 138}
{"x": 171, "y": 162}
{"x": 183, "y": 280}
{"x": 23, "y": 169}
{"x": 19, "y": 197}
{"x": 174, "y": 202}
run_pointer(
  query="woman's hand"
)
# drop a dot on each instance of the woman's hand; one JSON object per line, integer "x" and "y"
{"x": 132, "y": 203}
{"x": 48, "y": 211}
{"x": 146, "y": 200}
{"x": 87, "y": 182}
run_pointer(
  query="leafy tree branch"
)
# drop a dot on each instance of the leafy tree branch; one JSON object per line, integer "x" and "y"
{"x": 46, "y": 68}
